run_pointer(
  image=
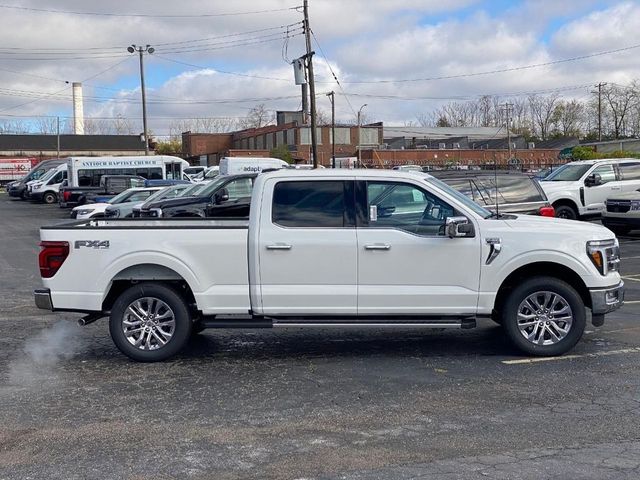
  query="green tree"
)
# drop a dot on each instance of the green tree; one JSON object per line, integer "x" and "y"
{"x": 172, "y": 147}
{"x": 282, "y": 152}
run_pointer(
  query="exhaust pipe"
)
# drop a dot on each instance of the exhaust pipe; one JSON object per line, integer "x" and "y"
{"x": 90, "y": 319}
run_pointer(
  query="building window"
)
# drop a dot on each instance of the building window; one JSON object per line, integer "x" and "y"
{"x": 368, "y": 136}
{"x": 343, "y": 136}
{"x": 305, "y": 136}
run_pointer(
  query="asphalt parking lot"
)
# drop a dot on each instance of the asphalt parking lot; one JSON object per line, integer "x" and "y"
{"x": 312, "y": 404}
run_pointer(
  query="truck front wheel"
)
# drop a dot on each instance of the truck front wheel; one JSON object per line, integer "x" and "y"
{"x": 544, "y": 316}
{"x": 150, "y": 322}
{"x": 50, "y": 198}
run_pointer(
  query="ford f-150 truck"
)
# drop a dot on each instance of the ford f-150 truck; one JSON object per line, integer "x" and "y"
{"x": 335, "y": 249}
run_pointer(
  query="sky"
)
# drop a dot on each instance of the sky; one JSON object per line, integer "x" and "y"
{"x": 219, "y": 59}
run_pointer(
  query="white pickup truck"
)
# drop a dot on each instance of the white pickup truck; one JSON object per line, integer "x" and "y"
{"x": 335, "y": 249}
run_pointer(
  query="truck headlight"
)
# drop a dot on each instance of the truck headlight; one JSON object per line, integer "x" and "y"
{"x": 635, "y": 204}
{"x": 605, "y": 255}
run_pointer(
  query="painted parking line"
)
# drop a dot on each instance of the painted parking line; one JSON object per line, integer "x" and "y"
{"x": 572, "y": 357}
{"x": 631, "y": 278}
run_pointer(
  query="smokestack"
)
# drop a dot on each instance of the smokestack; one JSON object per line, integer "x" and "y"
{"x": 78, "y": 110}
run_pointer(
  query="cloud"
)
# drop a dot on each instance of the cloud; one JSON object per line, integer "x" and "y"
{"x": 363, "y": 41}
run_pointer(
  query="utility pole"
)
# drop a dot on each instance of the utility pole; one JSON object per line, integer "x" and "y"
{"x": 507, "y": 109}
{"x": 359, "y": 124}
{"x": 599, "y": 92}
{"x": 332, "y": 96}
{"x": 58, "y": 136}
{"x": 312, "y": 84}
{"x": 142, "y": 50}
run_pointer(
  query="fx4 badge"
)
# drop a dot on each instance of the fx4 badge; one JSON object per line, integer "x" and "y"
{"x": 97, "y": 244}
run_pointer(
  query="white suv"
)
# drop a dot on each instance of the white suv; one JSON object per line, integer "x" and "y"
{"x": 580, "y": 189}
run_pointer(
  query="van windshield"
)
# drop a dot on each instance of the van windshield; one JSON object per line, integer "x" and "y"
{"x": 568, "y": 173}
{"x": 48, "y": 175}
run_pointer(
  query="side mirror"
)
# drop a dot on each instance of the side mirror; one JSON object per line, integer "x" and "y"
{"x": 221, "y": 196}
{"x": 593, "y": 180}
{"x": 458, "y": 227}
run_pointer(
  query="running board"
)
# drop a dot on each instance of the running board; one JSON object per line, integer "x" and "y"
{"x": 464, "y": 323}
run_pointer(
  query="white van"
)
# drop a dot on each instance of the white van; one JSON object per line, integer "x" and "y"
{"x": 579, "y": 189}
{"x": 238, "y": 165}
{"x": 46, "y": 188}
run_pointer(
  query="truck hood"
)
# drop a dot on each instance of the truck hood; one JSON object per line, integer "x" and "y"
{"x": 177, "y": 202}
{"x": 559, "y": 226}
{"x": 92, "y": 206}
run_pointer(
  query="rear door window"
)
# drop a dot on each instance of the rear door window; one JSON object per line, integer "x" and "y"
{"x": 310, "y": 204}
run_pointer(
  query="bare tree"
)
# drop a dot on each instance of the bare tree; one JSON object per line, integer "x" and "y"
{"x": 619, "y": 101}
{"x": 542, "y": 110}
{"x": 569, "y": 118}
{"x": 122, "y": 126}
{"x": 259, "y": 116}
{"x": 47, "y": 125}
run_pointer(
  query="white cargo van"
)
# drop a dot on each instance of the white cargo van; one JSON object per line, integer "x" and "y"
{"x": 238, "y": 165}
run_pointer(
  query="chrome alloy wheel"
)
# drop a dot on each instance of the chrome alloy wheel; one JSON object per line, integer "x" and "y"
{"x": 148, "y": 323}
{"x": 544, "y": 318}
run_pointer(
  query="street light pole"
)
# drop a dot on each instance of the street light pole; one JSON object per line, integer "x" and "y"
{"x": 359, "y": 124}
{"x": 141, "y": 50}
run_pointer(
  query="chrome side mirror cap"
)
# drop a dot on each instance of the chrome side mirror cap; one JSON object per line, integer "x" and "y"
{"x": 459, "y": 227}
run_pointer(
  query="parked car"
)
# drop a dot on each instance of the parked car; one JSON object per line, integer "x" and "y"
{"x": 622, "y": 213}
{"x": 337, "y": 248}
{"x": 579, "y": 189}
{"x": 193, "y": 171}
{"x": 167, "y": 192}
{"x": 110, "y": 185}
{"x": 226, "y": 196}
{"x": 125, "y": 200}
{"x": 517, "y": 192}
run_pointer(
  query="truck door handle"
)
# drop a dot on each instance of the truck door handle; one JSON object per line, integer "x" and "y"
{"x": 377, "y": 247}
{"x": 279, "y": 246}
{"x": 615, "y": 188}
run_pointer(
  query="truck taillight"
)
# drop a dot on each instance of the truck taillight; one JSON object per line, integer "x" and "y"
{"x": 52, "y": 256}
{"x": 547, "y": 211}
{"x": 66, "y": 196}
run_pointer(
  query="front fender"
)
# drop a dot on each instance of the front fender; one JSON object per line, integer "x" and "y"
{"x": 493, "y": 280}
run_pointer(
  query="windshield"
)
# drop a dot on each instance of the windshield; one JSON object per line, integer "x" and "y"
{"x": 466, "y": 201}
{"x": 48, "y": 175}
{"x": 193, "y": 190}
{"x": 168, "y": 192}
{"x": 122, "y": 197}
{"x": 568, "y": 173}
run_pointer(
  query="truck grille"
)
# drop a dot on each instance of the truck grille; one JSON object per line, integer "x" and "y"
{"x": 618, "y": 206}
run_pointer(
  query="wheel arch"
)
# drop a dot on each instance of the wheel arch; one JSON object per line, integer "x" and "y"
{"x": 146, "y": 272}
{"x": 540, "y": 269}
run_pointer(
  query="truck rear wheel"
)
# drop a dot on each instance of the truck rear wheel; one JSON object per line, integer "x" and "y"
{"x": 544, "y": 316}
{"x": 150, "y": 322}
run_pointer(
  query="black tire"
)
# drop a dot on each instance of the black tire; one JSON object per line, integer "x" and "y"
{"x": 177, "y": 305}
{"x": 566, "y": 211}
{"x": 50, "y": 198}
{"x": 518, "y": 297}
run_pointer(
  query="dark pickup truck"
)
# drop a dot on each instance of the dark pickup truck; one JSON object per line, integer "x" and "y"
{"x": 110, "y": 185}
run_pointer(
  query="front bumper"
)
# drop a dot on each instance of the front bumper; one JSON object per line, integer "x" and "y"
{"x": 606, "y": 300}
{"x": 37, "y": 196}
{"x": 43, "y": 299}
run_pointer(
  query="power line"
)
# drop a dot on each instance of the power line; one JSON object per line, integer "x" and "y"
{"x": 502, "y": 70}
{"x": 226, "y": 72}
{"x": 147, "y": 15}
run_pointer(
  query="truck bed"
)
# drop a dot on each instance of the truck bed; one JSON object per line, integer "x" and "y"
{"x": 209, "y": 255}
